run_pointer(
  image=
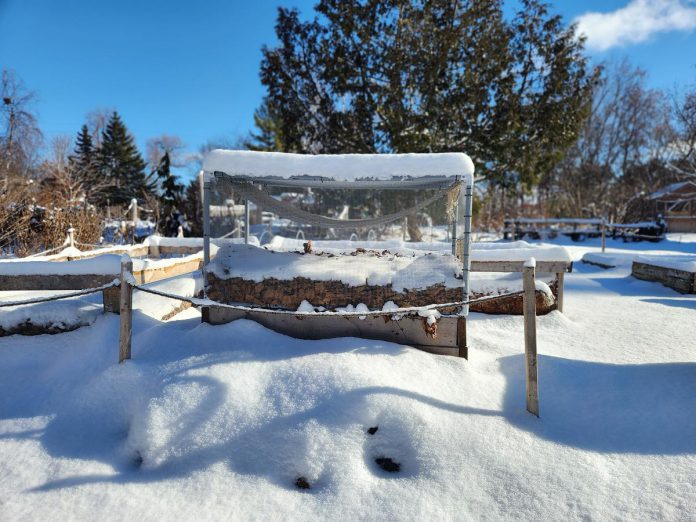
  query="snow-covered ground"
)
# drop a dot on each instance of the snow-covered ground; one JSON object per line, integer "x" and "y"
{"x": 219, "y": 422}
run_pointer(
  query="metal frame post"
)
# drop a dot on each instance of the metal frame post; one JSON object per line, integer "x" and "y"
{"x": 454, "y": 227}
{"x": 246, "y": 221}
{"x": 206, "y": 233}
{"x": 468, "y": 196}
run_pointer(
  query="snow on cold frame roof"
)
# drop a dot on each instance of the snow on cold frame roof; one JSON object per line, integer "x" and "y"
{"x": 342, "y": 167}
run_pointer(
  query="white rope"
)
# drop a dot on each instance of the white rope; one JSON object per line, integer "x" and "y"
{"x": 45, "y": 252}
{"x": 396, "y": 311}
{"x": 288, "y": 211}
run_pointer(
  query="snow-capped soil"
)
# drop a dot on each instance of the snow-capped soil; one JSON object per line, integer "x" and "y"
{"x": 234, "y": 421}
{"x": 401, "y": 265}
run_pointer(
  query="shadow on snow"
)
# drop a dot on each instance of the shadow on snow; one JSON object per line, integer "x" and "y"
{"x": 609, "y": 408}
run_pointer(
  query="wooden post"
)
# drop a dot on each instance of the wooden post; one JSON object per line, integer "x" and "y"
{"x": 604, "y": 234}
{"x": 560, "y": 276}
{"x": 530, "y": 345}
{"x": 126, "y": 310}
{"x": 71, "y": 237}
{"x": 461, "y": 338}
{"x": 247, "y": 221}
{"x": 134, "y": 217}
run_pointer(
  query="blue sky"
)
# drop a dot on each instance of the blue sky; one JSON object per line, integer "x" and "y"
{"x": 191, "y": 68}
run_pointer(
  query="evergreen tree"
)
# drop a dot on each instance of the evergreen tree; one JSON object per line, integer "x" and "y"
{"x": 269, "y": 136}
{"x": 171, "y": 189}
{"x": 84, "y": 166}
{"x": 121, "y": 164}
{"x": 171, "y": 195}
{"x": 437, "y": 76}
{"x": 193, "y": 209}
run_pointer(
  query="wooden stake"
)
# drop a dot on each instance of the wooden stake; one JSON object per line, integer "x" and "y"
{"x": 530, "y": 345}
{"x": 461, "y": 338}
{"x": 604, "y": 234}
{"x": 560, "y": 276}
{"x": 71, "y": 237}
{"x": 126, "y": 310}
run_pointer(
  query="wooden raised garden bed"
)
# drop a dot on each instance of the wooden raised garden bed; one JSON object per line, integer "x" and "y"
{"x": 683, "y": 281}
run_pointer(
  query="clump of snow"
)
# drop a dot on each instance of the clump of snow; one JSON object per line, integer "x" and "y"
{"x": 432, "y": 315}
{"x": 686, "y": 263}
{"x": 390, "y": 306}
{"x": 360, "y": 307}
{"x": 543, "y": 287}
{"x": 305, "y": 306}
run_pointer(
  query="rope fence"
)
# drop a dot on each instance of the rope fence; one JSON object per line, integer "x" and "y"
{"x": 127, "y": 283}
{"x": 195, "y": 301}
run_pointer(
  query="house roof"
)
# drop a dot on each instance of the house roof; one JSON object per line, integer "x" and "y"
{"x": 680, "y": 191}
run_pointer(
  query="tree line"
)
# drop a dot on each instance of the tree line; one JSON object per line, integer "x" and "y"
{"x": 74, "y": 184}
{"x": 550, "y": 134}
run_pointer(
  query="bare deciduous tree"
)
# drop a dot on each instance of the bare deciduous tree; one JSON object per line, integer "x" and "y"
{"x": 21, "y": 137}
{"x": 166, "y": 144}
{"x": 629, "y": 127}
{"x": 96, "y": 122}
{"x": 684, "y": 146}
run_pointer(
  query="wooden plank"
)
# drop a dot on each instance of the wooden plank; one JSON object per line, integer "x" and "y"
{"x": 560, "y": 276}
{"x": 126, "y": 312}
{"x": 149, "y": 275}
{"x": 600, "y": 265}
{"x": 461, "y": 338}
{"x": 54, "y": 282}
{"x": 409, "y": 330}
{"x": 179, "y": 250}
{"x": 47, "y": 282}
{"x": 682, "y": 281}
{"x": 111, "y": 298}
{"x": 530, "y": 345}
{"x": 551, "y": 267}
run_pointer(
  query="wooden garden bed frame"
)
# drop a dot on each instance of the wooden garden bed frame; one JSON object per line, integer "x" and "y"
{"x": 402, "y": 172}
{"x": 50, "y": 282}
{"x": 682, "y": 281}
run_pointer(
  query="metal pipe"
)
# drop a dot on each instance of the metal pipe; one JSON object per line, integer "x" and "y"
{"x": 246, "y": 221}
{"x": 466, "y": 250}
{"x": 206, "y": 233}
{"x": 454, "y": 226}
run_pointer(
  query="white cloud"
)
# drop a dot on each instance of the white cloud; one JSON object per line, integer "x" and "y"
{"x": 636, "y": 22}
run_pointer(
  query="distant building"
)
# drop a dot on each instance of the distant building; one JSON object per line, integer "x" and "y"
{"x": 677, "y": 204}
